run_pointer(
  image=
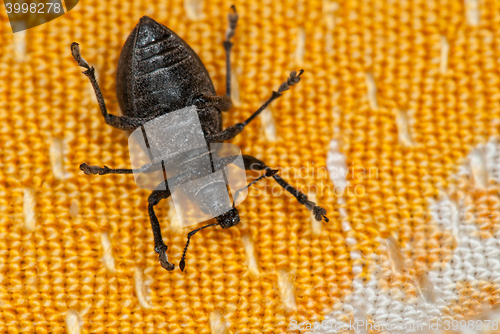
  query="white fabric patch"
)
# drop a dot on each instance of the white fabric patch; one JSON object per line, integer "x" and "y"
{"x": 474, "y": 259}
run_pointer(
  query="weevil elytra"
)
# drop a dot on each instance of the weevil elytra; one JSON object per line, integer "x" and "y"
{"x": 159, "y": 73}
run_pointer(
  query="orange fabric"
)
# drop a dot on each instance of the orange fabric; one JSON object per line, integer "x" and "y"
{"x": 55, "y": 222}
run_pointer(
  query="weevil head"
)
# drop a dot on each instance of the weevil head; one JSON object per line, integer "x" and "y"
{"x": 229, "y": 218}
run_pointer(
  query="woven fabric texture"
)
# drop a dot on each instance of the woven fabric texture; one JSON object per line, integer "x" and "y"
{"x": 393, "y": 130}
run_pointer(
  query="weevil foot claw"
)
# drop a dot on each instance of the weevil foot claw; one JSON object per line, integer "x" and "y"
{"x": 94, "y": 170}
{"x": 88, "y": 170}
{"x": 320, "y": 213}
{"x": 163, "y": 258}
{"x": 293, "y": 79}
{"x": 75, "y": 51}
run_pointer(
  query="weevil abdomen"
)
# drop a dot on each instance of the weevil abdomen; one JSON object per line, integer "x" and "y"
{"x": 158, "y": 72}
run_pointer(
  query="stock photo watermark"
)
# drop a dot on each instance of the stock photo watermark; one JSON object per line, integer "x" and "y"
{"x": 170, "y": 153}
{"x": 407, "y": 327}
{"x": 26, "y": 14}
{"x": 323, "y": 183}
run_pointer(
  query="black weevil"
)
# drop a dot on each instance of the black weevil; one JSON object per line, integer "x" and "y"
{"x": 159, "y": 73}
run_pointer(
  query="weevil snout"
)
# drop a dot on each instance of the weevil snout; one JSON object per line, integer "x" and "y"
{"x": 229, "y": 219}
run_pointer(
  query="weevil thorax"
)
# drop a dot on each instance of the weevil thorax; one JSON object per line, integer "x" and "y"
{"x": 158, "y": 73}
{"x": 229, "y": 218}
{"x": 210, "y": 120}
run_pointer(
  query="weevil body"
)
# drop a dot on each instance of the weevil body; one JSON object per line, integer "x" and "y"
{"x": 159, "y": 73}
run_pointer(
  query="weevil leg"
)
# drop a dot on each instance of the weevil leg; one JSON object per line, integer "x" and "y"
{"x": 153, "y": 199}
{"x": 160, "y": 247}
{"x": 252, "y": 163}
{"x": 119, "y": 122}
{"x": 163, "y": 191}
{"x": 223, "y": 102}
{"x": 96, "y": 170}
{"x": 233, "y": 19}
{"x": 233, "y": 130}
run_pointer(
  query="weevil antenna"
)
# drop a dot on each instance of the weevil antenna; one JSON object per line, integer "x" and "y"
{"x": 269, "y": 172}
{"x": 182, "y": 264}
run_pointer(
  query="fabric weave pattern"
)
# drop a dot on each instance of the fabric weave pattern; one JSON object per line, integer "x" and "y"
{"x": 405, "y": 89}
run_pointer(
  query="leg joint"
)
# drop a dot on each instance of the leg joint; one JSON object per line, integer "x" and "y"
{"x": 153, "y": 199}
